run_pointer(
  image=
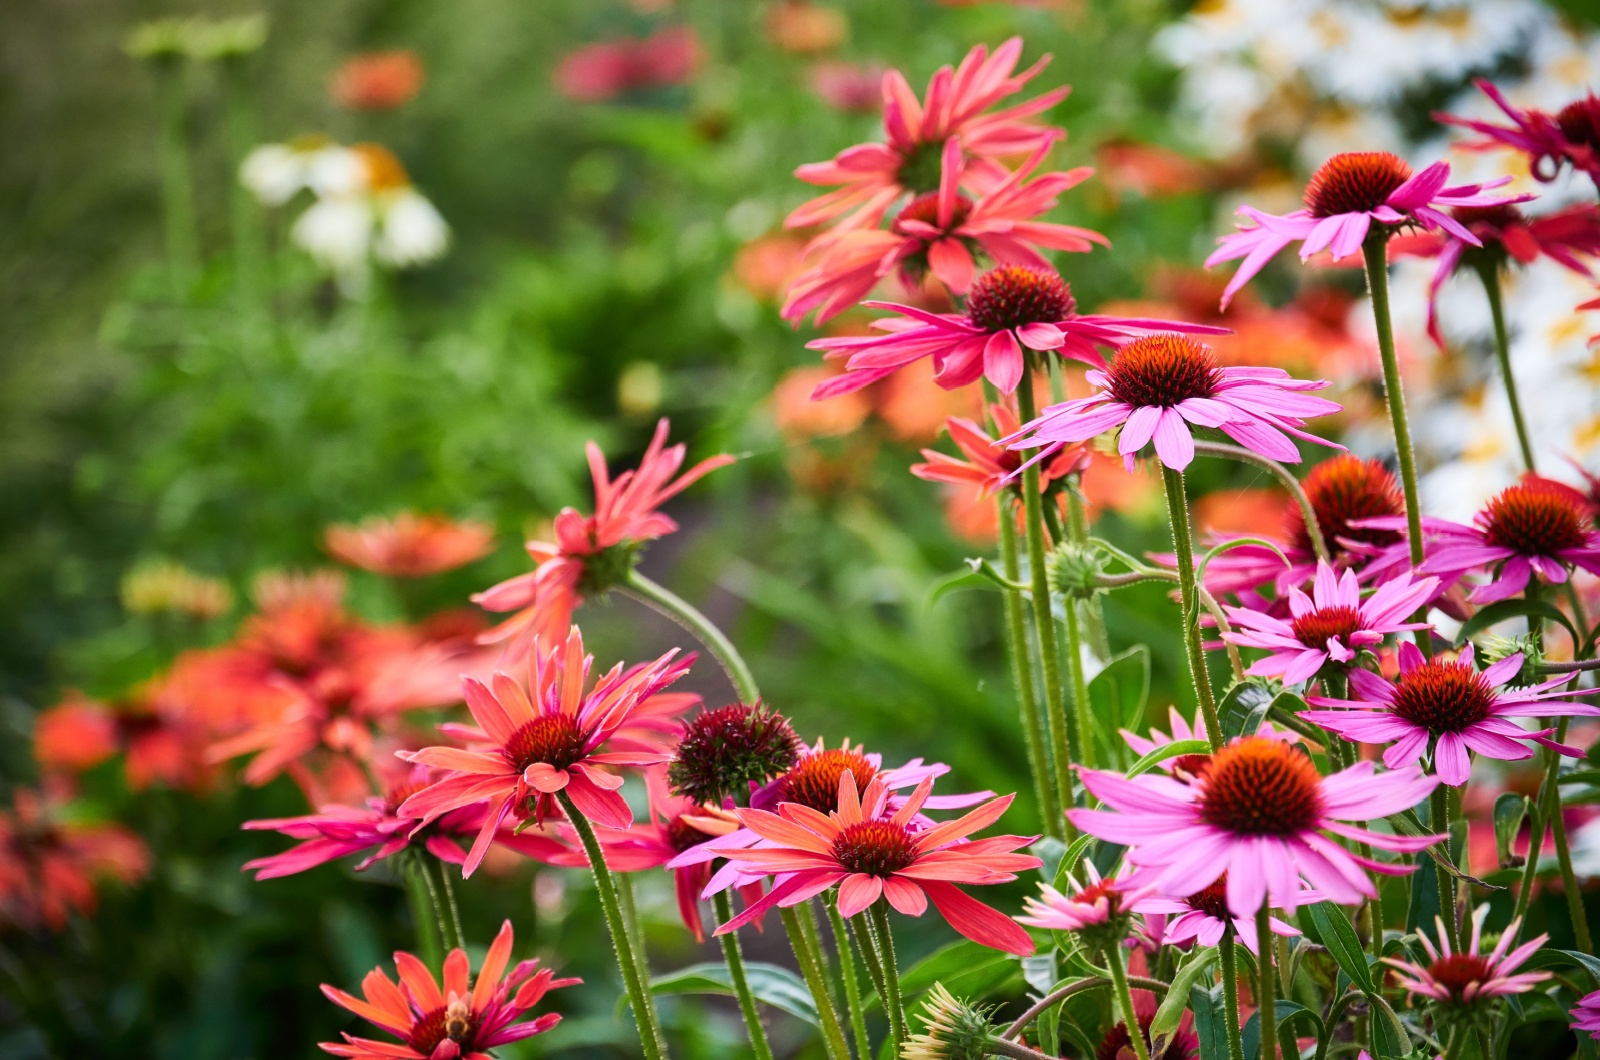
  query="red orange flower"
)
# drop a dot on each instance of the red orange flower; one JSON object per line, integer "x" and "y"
{"x": 377, "y": 80}
{"x": 49, "y": 863}
{"x": 410, "y": 545}
{"x": 989, "y": 465}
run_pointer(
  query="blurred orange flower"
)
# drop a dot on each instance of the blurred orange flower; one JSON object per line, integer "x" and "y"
{"x": 410, "y": 545}
{"x": 764, "y": 266}
{"x": 49, "y": 864}
{"x": 796, "y": 26}
{"x": 1149, "y": 170}
{"x": 377, "y": 80}
{"x": 1248, "y": 512}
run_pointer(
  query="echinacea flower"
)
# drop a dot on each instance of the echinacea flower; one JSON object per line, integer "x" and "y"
{"x": 1203, "y": 916}
{"x": 1157, "y": 386}
{"x": 591, "y": 552}
{"x": 1259, "y": 812}
{"x": 1350, "y": 193}
{"x": 952, "y": 1029}
{"x": 871, "y": 177}
{"x": 1535, "y": 526}
{"x": 377, "y": 80}
{"x": 1586, "y": 1015}
{"x": 1100, "y": 912}
{"x": 1569, "y": 136}
{"x": 544, "y": 740}
{"x": 409, "y": 545}
{"x": 989, "y": 465}
{"x": 51, "y": 859}
{"x": 870, "y": 855}
{"x": 460, "y": 1019}
{"x": 1187, "y": 767}
{"x": 1452, "y": 707}
{"x": 941, "y": 232}
{"x": 726, "y": 753}
{"x": 1182, "y": 1044}
{"x": 1462, "y": 980}
{"x": 1333, "y": 624}
{"x": 1010, "y": 309}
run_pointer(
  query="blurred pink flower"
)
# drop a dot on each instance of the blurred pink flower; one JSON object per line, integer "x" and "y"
{"x": 409, "y": 545}
{"x": 598, "y": 72}
{"x": 1571, "y": 135}
{"x": 377, "y": 80}
{"x": 847, "y": 87}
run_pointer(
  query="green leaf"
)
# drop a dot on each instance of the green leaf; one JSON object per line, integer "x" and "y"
{"x": 1243, "y": 707}
{"x": 1285, "y": 1011}
{"x": 1070, "y": 861}
{"x": 980, "y": 574}
{"x": 1339, "y": 936}
{"x": 1501, "y": 610}
{"x": 965, "y": 968}
{"x": 1510, "y": 809}
{"x": 1208, "y": 1023}
{"x": 1117, "y": 695}
{"x": 1174, "y": 749}
{"x": 1389, "y": 1037}
{"x": 777, "y": 986}
{"x": 1551, "y": 958}
{"x": 1172, "y": 1006}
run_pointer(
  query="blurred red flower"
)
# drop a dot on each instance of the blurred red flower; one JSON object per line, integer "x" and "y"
{"x": 377, "y": 80}
{"x": 598, "y": 72}
{"x": 49, "y": 864}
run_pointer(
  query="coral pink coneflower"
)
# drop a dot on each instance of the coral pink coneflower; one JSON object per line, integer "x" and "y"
{"x": 457, "y": 1020}
{"x": 1333, "y": 624}
{"x": 1101, "y": 909}
{"x": 1571, "y": 135}
{"x": 1010, "y": 309}
{"x": 409, "y": 545}
{"x": 1258, "y": 812}
{"x": 1452, "y": 707}
{"x": 1350, "y": 193}
{"x": 870, "y": 855}
{"x": 871, "y": 177}
{"x": 591, "y": 551}
{"x": 1203, "y": 916}
{"x": 941, "y": 232}
{"x": 50, "y": 861}
{"x": 544, "y": 740}
{"x": 1158, "y": 385}
{"x": 1461, "y": 980}
{"x": 989, "y": 465}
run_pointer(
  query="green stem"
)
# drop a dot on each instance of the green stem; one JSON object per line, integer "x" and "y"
{"x": 1061, "y": 742}
{"x": 884, "y": 940}
{"x": 1130, "y": 1020}
{"x": 249, "y": 241}
{"x": 862, "y": 933}
{"x": 1266, "y": 988}
{"x": 1080, "y": 687}
{"x": 644, "y": 1012}
{"x": 1489, "y": 272}
{"x": 665, "y": 602}
{"x": 1375, "y": 252}
{"x": 832, "y": 1033}
{"x": 450, "y": 902}
{"x": 1013, "y": 1050}
{"x": 630, "y": 924}
{"x": 734, "y": 957}
{"x": 1230, "y": 994}
{"x": 423, "y": 914}
{"x": 1183, "y": 545}
{"x": 1569, "y": 879}
{"x": 1285, "y": 478}
{"x": 1439, "y": 818}
{"x": 852, "y": 985}
{"x": 177, "y": 185}
{"x": 1022, "y": 676}
{"x": 1078, "y": 531}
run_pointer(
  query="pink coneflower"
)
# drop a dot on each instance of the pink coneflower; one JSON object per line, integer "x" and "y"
{"x": 1010, "y": 309}
{"x": 410, "y": 545}
{"x": 1535, "y": 526}
{"x": 1158, "y": 385}
{"x": 1188, "y": 767}
{"x": 1343, "y": 199}
{"x": 1258, "y": 812}
{"x": 1586, "y": 1015}
{"x": 869, "y": 855}
{"x": 1204, "y": 915}
{"x": 941, "y": 232}
{"x": 1571, "y": 135}
{"x": 872, "y": 176}
{"x": 1100, "y": 912}
{"x": 1504, "y": 234}
{"x": 462, "y": 1021}
{"x": 989, "y": 465}
{"x": 1460, "y": 980}
{"x": 544, "y": 740}
{"x": 589, "y": 552}
{"x": 1182, "y": 1044}
{"x": 1333, "y": 624}
{"x": 1452, "y": 706}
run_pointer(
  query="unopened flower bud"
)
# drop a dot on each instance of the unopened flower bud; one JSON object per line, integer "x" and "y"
{"x": 1494, "y": 648}
{"x": 1074, "y": 569}
{"x": 952, "y": 1029}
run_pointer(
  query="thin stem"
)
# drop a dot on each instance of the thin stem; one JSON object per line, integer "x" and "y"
{"x": 1284, "y": 477}
{"x": 832, "y": 1033}
{"x": 734, "y": 956}
{"x": 1015, "y": 1050}
{"x": 805, "y": 913}
{"x": 862, "y": 933}
{"x": 852, "y": 985}
{"x": 177, "y": 184}
{"x": 1230, "y": 994}
{"x": 1130, "y": 1020}
{"x": 1080, "y": 687}
{"x": 1569, "y": 879}
{"x": 1267, "y": 987}
{"x": 1439, "y": 818}
{"x": 878, "y": 923}
{"x": 1183, "y": 545}
{"x": 644, "y": 1012}
{"x": 450, "y": 902}
{"x": 630, "y": 923}
{"x": 418, "y": 890}
{"x": 664, "y": 601}
{"x": 1568, "y": 667}
{"x": 1055, "y": 997}
{"x": 1061, "y": 742}
{"x": 1078, "y": 531}
{"x": 1022, "y": 675}
{"x": 1489, "y": 272}
{"x": 249, "y": 249}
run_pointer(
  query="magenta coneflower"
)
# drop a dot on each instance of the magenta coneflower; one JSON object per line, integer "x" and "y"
{"x": 1158, "y": 385}
{"x": 1187, "y": 767}
{"x": 871, "y": 177}
{"x": 1204, "y": 915}
{"x": 1453, "y": 707}
{"x": 1352, "y": 191}
{"x": 989, "y": 465}
{"x": 1258, "y": 812}
{"x": 1100, "y": 912}
{"x": 1586, "y": 1015}
{"x": 1571, "y": 135}
{"x": 941, "y": 232}
{"x": 1010, "y": 309}
{"x": 869, "y": 855}
{"x": 1333, "y": 624}
{"x": 1460, "y": 980}
{"x": 1535, "y": 526}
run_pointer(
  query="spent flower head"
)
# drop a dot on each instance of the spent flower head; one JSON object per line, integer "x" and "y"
{"x": 726, "y": 752}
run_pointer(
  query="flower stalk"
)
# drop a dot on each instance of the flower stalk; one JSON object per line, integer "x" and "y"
{"x": 669, "y": 604}
{"x": 734, "y": 956}
{"x": 833, "y": 1039}
{"x": 1489, "y": 272}
{"x": 883, "y": 941}
{"x": 1183, "y": 546}
{"x": 1375, "y": 250}
{"x": 1130, "y": 1019}
{"x": 1230, "y": 994}
{"x": 1022, "y": 676}
{"x": 1439, "y": 818}
{"x": 1266, "y": 985}
{"x": 424, "y": 913}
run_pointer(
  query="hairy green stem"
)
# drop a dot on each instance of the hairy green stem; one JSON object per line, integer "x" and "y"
{"x": 734, "y": 956}
{"x": 1377, "y": 263}
{"x": 424, "y": 914}
{"x": 1267, "y": 987}
{"x": 852, "y": 985}
{"x": 1183, "y": 546}
{"x": 1055, "y": 997}
{"x": 878, "y": 924}
{"x": 1489, "y": 272}
{"x": 1022, "y": 676}
{"x": 1080, "y": 687}
{"x": 1285, "y": 478}
{"x": 862, "y": 933}
{"x": 1230, "y": 994}
{"x": 1014, "y": 1050}
{"x": 450, "y": 903}
{"x": 630, "y": 923}
{"x": 811, "y": 971}
{"x": 1569, "y": 879}
{"x": 644, "y": 1010}
{"x": 666, "y": 602}
{"x": 1439, "y": 819}
{"x": 1078, "y": 531}
{"x": 1130, "y": 1019}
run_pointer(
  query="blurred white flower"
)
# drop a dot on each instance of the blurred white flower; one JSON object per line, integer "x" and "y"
{"x": 411, "y": 230}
